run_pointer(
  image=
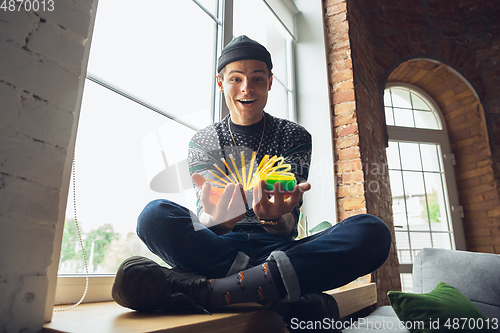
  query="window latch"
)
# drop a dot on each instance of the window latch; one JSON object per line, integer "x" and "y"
{"x": 450, "y": 157}
{"x": 458, "y": 209}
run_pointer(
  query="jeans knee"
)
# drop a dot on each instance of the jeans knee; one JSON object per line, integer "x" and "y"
{"x": 375, "y": 231}
{"x": 380, "y": 229}
{"x": 154, "y": 218}
{"x": 146, "y": 218}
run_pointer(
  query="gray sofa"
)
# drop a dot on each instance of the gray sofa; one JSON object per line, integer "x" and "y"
{"x": 476, "y": 275}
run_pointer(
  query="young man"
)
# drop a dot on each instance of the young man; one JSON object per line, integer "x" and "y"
{"x": 240, "y": 246}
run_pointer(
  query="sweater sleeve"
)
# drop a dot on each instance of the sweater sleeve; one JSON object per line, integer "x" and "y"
{"x": 299, "y": 158}
{"x": 203, "y": 153}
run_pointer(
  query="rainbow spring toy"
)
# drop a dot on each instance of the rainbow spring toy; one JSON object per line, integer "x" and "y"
{"x": 271, "y": 169}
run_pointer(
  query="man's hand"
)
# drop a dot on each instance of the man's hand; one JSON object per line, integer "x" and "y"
{"x": 279, "y": 208}
{"x": 225, "y": 209}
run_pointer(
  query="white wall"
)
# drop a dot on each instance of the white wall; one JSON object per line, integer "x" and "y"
{"x": 43, "y": 60}
{"x": 313, "y": 109}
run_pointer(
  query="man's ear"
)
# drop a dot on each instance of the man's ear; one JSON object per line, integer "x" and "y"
{"x": 219, "y": 83}
{"x": 270, "y": 82}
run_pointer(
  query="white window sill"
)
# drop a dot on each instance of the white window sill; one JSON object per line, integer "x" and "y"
{"x": 70, "y": 288}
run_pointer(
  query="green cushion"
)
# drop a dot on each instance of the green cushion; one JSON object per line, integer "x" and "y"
{"x": 445, "y": 309}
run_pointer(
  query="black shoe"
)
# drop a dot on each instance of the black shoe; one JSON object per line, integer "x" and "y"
{"x": 313, "y": 313}
{"x": 143, "y": 285}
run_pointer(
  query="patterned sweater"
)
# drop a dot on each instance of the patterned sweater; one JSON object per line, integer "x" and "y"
{"x": 281, "y": 138}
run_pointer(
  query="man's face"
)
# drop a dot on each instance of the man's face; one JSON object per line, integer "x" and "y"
{"x": 245, "y": 85}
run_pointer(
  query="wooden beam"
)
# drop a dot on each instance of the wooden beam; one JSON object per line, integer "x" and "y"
{"x": 354, "y": 297}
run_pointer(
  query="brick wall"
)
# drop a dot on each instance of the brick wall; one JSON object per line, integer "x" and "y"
{"x": 367, "y": 42}
{"x": 42, "y": 55}
{"x": 468, "y": 134}
{"x": 359, "y": 134}
{"x": 464, "y": 35}
{"x": 348, "y": 166}
{"x": 373, "y": 143}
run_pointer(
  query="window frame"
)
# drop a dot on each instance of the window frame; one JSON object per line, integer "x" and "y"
{"x": 70, "y": 287}
{"x": 437, "y": 136}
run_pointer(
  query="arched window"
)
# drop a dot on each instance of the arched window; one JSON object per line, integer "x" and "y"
{"x": 425, "y": 201}
{"x": 405, "y": 107}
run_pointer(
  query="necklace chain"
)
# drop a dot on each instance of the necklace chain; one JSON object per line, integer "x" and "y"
{"x": 234, "y": 141}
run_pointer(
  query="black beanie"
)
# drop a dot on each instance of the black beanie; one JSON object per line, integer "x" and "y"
{"x": 242, "y": 48}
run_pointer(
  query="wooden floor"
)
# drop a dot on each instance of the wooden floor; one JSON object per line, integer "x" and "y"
{"x": 107, "y": 317}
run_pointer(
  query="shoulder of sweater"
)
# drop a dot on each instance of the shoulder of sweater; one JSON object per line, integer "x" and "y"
{"x": 283, "y": 126}
{"x": 208, "y": 131}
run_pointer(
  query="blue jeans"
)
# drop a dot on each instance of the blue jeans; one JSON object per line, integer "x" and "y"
{"x": 326, "y": 260}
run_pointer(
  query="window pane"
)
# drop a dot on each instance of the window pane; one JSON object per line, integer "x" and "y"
{"x": 393, "y": 155}
{"x": 410, "y": 156}
{"x": 403, "y": 246}
{"x": 403, "y": 117}
{"x": 389, "y": 116}
{"x": 396, "y": 184}
{"x": 400, "y": 98}
{"x": 113, "y": 175}
{"x": 435, "y": 197}
{"x": 441, "y": 240}
{"x": 387, "y": 98}
{"x": 425, "y": 119}
{"x": 430, "y": 158}
{"x": 415, "y": 200}
{"x": 277, "y": 102}
{"x": 137, "y": 49}
{"x": 400, "y": 220}
{"x": 410, "y": 109}
{"x": 210, "y": 5}
{"x": 254, "y": 19}
{"x": 419, "y": 240}
{"x": 407, "y": 282}
{"x": 419, "y": 103}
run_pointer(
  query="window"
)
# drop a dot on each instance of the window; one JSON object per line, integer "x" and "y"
{"x": 273, "y": 35}
{"x": 150, "y": 85}
{"x": 405, "y": 108}
{"x": 421, "y": 176}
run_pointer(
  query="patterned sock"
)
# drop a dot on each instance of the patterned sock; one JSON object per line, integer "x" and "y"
{"x": 260, "y": 284}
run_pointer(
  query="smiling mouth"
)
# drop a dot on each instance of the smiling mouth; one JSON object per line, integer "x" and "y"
{"x": 246, "y": 101}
